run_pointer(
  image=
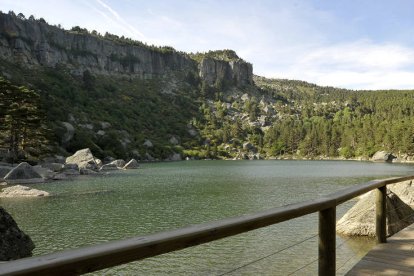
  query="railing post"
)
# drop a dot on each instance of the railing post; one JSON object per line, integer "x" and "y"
{"x": 381, "y": 211}
{"x": 327, "y": 242}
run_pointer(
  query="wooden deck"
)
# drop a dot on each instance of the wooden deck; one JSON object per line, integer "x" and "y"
{"x": 396, "y": 257}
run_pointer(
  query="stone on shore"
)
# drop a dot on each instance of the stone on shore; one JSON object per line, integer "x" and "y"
{"x": 132, "y": 164}
{"x": 23, "y": 174}
{"x": 404, "y": 190}
{"x": 109, "y": 167}
{"x": 119, "y": 163}
{"x": 84, "y": 159}
{"x": 174, "y": 157}
{"x": 4, "y": 170}
{"x": 360, "y": 219}
{"x": 85, "y": 171}
{"x": 45, "y": 173}
{"x": 14, "y": 243}
{"x": 383, "y": 156}
{"x": 55, "y": 167}
{"x": 22, "y": 191}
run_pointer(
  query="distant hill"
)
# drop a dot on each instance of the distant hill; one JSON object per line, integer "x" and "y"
{"x": 123, "y": 98}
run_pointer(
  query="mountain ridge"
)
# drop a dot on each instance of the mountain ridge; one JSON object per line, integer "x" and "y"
{"x": 123, "y": 98}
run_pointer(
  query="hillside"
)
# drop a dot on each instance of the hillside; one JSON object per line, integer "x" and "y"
{"x": 123, "y": 98}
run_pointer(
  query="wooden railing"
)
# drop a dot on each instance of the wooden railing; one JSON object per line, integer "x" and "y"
{"x": 93, "y": 258}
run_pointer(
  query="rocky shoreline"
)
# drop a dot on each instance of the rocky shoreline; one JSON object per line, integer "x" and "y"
{"x": 81, "y": 163}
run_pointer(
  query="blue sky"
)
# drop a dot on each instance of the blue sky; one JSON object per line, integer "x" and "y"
{"x": 357, "y": 44}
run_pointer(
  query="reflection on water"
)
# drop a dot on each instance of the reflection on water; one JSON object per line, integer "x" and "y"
{"x": 165, "y": 196}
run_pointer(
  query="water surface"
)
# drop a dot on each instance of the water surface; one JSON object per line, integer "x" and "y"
{"x": 163, "y": 196}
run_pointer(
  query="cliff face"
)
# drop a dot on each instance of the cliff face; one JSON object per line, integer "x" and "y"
{"x": 35, "y": 43}
{"x": 236, "y": 72}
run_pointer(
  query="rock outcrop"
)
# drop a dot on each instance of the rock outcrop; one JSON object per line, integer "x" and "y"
{"x": 360, "y": 219}
{"x": 383, "y": 156}
{"x": 109, "y": 167}
{"x": 22, "y": 191}
{"x": 14, "y": 243}
{"x": 4, "y": 170}
{"x": 214, "y": 71}
{"x": 70, "y": 131}
{"x": 174, "y": 157}
{"x": 404, "y": 190}
{"x": 84, "y": 159}
{"x": 119, "y": 163}
{"x": 132, "y": 164}
{"x": 23, "y": 174}
{"x": 33, "y": 42}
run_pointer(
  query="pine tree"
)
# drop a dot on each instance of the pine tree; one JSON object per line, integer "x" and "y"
{"x": 21, "y": 119}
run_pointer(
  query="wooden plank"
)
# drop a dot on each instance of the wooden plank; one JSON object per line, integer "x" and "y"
{"x": 393, "y": 258}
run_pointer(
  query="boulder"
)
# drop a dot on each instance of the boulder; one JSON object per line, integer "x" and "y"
{"x": 174, "y": 141}
{"x": 70, "y": 167}
{"x": 23, "y": 174}
{"x": 404, "y": 190}
{"x": 174, "y": 157}
{"x": 70, "y": 131}
{"x": 98, "y": 162}
{"x": 249, "y": 146}
{"x": 105, "y": 125}
{"x": 109, "y": 167}
{"x": 14, "y": 243}
{"x": 132, "y": 164}
{"x": 84, "y": 159}
{"x": 4, "y": 170}
{"x": 108, "y": 159}
{"x": 120, "y": 163}
{"x": 383, "y": 156}
{"x": 148, "y": 143}
{"x": 86, "y": 171}
{"x": 60, "y": 176}
{"x": 44, "y": 172}
{"x": 22, "y": 191}
{"x": 71, "y": 172}
{"x": 360, "y": 219}
{"x": 149, "y": 157}
{"x": 55, "y": 167}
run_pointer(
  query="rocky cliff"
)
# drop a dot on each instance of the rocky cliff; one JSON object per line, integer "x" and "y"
{"x": 33, "y": 42}
{"x": 214, "y": 71}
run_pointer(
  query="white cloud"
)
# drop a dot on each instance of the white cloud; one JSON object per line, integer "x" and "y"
{"x": 361, "y": 55}
{"x": 359, "y": 65}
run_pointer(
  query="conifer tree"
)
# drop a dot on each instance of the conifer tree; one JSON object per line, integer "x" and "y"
{"x": 21, "y": 120}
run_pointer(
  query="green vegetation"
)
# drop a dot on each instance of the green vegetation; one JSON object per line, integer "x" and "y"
{"x": 225, "y": 55}
{"x": 22, "y": 130}
{"x": 115, "y": 115}
{"x": 277, "y": 117}
{"x": 133, "y": 109}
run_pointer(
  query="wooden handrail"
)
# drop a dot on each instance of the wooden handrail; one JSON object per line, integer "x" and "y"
{"x": 96, "y": 257}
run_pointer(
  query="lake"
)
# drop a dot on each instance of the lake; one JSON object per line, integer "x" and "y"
{"x": 163, "y": 196}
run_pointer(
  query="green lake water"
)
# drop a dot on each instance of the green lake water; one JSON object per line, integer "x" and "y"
{"x": 163, "y": 196}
